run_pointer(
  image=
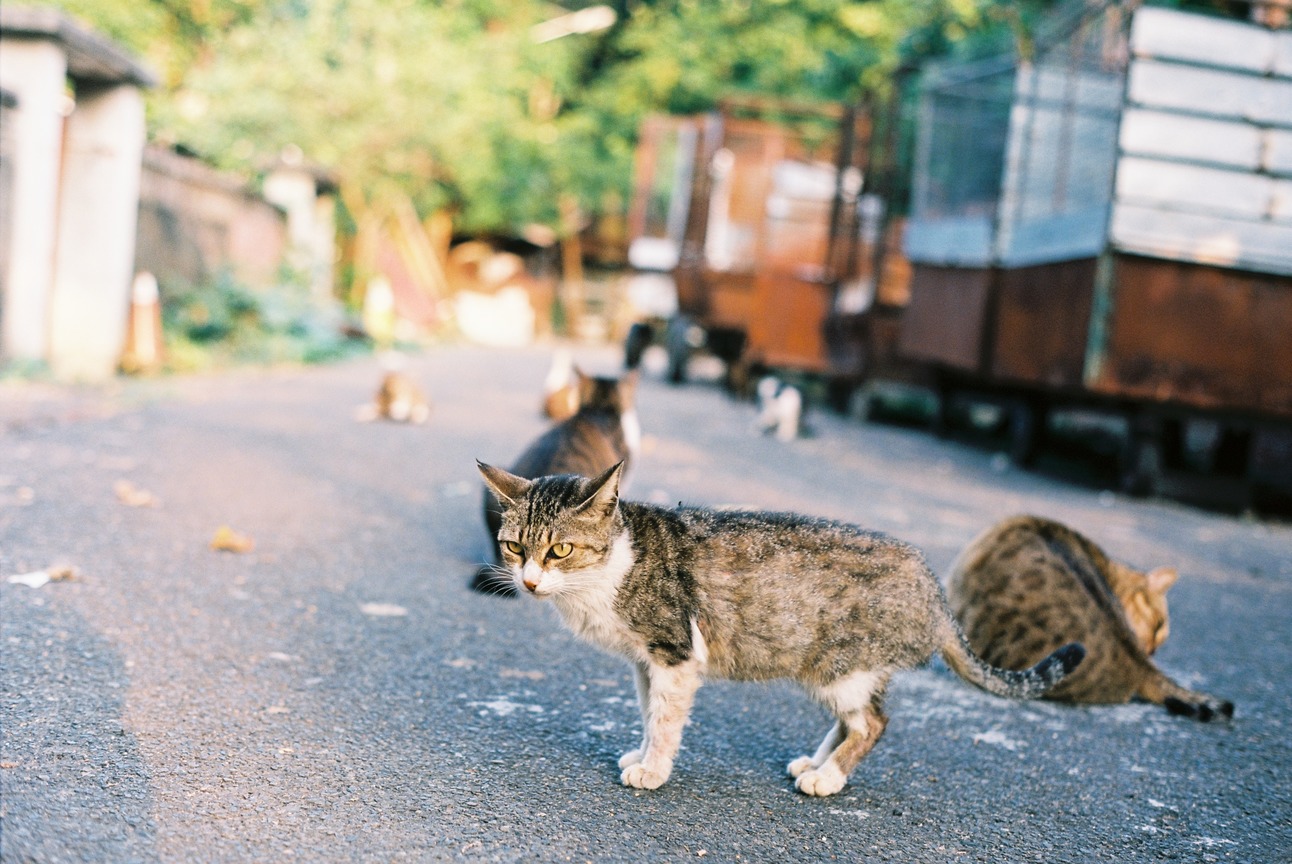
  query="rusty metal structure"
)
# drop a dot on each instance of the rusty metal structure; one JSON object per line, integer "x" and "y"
{"x": 1110, "y": 224}
{"x": 1105, "y": 225}
{"x": 757, "y": 213}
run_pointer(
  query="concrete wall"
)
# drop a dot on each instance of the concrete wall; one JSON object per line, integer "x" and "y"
{"x": 195, "y": 222}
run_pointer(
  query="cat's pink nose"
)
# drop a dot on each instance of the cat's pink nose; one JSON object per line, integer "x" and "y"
{"x": 531, "y": 585}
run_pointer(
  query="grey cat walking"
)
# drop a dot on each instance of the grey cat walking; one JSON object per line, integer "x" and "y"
{"x": 691, "y": 592}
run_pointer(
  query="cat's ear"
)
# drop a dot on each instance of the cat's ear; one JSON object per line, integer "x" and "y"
{"x": 1161, "y": 579}
{"x": 605, "y": 492}
{"x": 508, "y": 487}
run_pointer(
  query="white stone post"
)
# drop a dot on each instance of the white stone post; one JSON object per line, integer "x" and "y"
{"x": 311, "y": 223}
{"x": 34, "y": 71}
{"x": 98, "y": 214}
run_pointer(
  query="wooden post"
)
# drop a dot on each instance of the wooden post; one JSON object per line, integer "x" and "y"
{"x": 571, "y": 291}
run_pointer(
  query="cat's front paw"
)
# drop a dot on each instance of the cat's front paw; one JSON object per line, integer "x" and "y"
{"x": 639, "y": 776}
{"x": 799, "y": 765}
{"x": 632, "y": 757}
{"x": 819, "y": 782}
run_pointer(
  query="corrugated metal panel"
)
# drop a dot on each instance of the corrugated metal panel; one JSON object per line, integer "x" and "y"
{"x": 1283, "y": 53}
{"x": 1277, "y": 158}
{"x": 1207, "y": 144}
{"x": 1281, "y": 205}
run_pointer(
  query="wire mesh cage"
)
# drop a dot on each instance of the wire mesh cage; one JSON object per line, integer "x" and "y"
{"x": 1062, "y": 153}
{"x": 964, "y": 113}
{"x": 1016, "y": 154}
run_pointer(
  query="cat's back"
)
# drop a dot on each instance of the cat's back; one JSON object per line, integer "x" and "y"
{"x": 587, "y": 444}
{"x": 769, "y": 585}
{"x": 1028, "y": 585}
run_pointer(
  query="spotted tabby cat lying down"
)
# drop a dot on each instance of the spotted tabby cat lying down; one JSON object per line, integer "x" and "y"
{"x": 1027, "y": 585}
{"x": 689, "y": 593}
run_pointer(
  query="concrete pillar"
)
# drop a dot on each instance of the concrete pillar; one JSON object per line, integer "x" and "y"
{"x": 311, "y": 222}
{"x": 98, "y": 212}
{"x": 35, "y": 71}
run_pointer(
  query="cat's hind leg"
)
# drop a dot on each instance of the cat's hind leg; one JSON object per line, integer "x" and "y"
{"x": 832, "y": 739}
{"x": 857, "y": 701}
{"x": 641, "y": 678}
{"x": 1183, "y": 701}
{"x": 672, "y": 690}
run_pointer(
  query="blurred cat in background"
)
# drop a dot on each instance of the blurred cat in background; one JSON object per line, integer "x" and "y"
{"x": 398, "y": 399}
{"x": 780, "y": 408}
{"x": 561, "y": 388}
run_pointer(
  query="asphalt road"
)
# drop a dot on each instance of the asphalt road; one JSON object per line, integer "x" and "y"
{"x": 337, "y": 694}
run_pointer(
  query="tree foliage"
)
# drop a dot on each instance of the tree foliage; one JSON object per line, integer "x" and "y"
{"x": 452, "y": 104}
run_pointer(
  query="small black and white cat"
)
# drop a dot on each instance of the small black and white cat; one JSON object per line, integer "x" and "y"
{"x": 689, "y": 593}
{"x": 780, "y": 408}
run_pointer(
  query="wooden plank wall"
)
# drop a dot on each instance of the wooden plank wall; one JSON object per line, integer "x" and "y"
{"x": 1205, "y": 174}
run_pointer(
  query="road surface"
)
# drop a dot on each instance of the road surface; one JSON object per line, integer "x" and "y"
{"x": 337, "y": 694}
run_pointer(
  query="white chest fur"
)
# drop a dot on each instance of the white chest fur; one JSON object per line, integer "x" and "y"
{"x": 587, "y": 603}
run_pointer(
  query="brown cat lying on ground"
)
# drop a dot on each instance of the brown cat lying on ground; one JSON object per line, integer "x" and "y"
{"x": 1028, "y": 585}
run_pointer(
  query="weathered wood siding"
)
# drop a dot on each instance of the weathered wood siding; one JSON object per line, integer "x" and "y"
{"x": 1205, "y": 173}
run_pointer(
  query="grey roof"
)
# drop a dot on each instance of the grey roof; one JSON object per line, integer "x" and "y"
{"x": 91, "y": 57}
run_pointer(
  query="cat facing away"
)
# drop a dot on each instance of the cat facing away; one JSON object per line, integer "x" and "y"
{"x": 561, "y": 388}
{"x": 690, "y": 592}
{"x": 602, "y": 431}
{"x": 1027, "y": 585}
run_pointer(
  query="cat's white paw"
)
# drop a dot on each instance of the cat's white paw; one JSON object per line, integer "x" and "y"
{"x": 799, "y": 765}
{"x": 632, "y": 757}
{"x": 639, "y": 777}
{"x": 822, "y": 781}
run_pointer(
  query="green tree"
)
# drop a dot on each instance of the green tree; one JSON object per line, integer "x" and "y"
{"x": 453, "y": 105}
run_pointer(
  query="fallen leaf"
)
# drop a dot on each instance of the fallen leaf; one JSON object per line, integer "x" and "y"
{"x": 228, "y": 540}
{"x": 132, "y": 496}
{"x": 383, "y": 610}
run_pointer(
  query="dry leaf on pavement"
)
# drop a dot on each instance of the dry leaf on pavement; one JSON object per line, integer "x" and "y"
{"x": 132, "y": 496}
{"x": 228, "y": 540}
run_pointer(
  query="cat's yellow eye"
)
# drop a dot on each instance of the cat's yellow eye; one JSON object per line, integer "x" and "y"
{"x": 560, "y": 550}
{"x": 513, "y": 547}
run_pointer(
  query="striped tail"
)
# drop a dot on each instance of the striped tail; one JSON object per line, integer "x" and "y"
{"x": 1024, "y": 684}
